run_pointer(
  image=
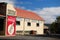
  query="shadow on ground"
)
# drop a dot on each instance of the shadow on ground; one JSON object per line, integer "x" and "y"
{"x": 52, "y": 35}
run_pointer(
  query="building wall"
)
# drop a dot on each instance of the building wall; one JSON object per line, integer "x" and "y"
{"x": 20, "y": 27}
{"x": 23, "y": 25}
{"x": 40, "y": 30}
{"x": 23, "y": 22}
{"x": 3, "y": 9}
{"x": 10, "y": 10}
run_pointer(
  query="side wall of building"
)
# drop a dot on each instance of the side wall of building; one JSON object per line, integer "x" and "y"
{"x": 10, "y": 10}
{"x": 24, "y": 27}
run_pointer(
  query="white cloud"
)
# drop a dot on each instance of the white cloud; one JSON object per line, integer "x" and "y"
{"x": 21, "y": 2}
{"x": 21, "y": 7}
{"x": 49, "y": 14}
{"x": 8, "y": 1}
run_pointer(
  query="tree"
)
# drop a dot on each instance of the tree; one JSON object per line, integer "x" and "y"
{"x": 58, "y": 19}
{"x": 55, "y": 26}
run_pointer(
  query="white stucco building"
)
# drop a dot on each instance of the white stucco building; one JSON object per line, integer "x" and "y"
{"x": 27, "y": 21}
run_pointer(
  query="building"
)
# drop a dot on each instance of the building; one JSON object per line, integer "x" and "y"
{"x": 47, "y": 28}
{"x": 28, "y": 21}
{"x": 18, "y": 21}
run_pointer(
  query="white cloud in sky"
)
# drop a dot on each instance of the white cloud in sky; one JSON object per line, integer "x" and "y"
{"x": 22, "y": 7}
{"x": 21, "y": 2}
{"x": 49, "y": 14}
{"x": 8, "y": 1}
{"x": 13, "y": 3}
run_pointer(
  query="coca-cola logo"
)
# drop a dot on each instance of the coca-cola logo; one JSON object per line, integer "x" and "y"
{"x": 11, "y": 24}
{"x": 11, "y": 28}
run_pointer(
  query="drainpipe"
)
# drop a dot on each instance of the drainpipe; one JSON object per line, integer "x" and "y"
{"x": 24, "y": 27}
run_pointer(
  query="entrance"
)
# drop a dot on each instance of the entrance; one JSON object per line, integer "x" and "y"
{"x": 32, "y": 32}
{"x": 2, "y": 25}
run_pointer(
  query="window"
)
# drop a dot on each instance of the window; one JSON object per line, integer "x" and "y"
{"x": 37, "y": 24}
{"x": 17, "y": 22}
{"x": 28, "y": 24}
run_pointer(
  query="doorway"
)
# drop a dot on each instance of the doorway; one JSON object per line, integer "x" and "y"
{"x": 2, "y": 25}
{"x": 32, "y": 32}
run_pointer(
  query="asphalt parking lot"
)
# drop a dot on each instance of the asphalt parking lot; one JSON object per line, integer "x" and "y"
{"x": 29, "y": 38}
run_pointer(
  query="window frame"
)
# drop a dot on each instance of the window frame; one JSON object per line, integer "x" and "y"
{"x": 37, "y": 24}
{"x": 28, "y": 24}
{"x": 19, "y": 23}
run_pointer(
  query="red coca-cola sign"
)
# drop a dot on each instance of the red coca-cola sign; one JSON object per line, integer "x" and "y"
{"x": 11, "y": 26}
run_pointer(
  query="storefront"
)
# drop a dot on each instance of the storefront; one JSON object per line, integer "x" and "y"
{"x": 7, "y": 20}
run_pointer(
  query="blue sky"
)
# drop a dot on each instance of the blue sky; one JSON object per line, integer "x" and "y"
{"x": 33, "y": 4}
{"x": 48, "y": 9}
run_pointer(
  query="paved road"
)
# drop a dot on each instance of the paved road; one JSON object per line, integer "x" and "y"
{"x": 29, "y": 38}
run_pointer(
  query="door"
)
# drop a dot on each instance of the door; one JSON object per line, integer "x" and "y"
{"x": 2, "y": 25}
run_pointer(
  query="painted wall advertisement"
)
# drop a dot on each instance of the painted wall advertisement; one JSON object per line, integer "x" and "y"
{"x": 11, "y": 26}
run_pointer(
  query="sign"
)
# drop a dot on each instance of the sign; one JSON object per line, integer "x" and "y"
{"x": 11, "y": 12}
{"x": 11, "y": 26}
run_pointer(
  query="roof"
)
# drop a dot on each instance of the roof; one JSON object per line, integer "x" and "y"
{"x": 27, "y": 14}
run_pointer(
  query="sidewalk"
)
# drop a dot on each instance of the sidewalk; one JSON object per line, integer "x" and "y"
{"x": 51, "y": 36}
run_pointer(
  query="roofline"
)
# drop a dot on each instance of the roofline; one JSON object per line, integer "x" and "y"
{"x": 29, "y": 18}
{"x": 31, "y": 12}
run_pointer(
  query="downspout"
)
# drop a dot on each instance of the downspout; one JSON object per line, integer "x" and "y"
{"x": 24, "y": 27}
